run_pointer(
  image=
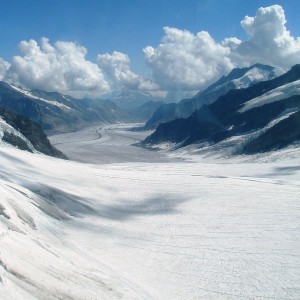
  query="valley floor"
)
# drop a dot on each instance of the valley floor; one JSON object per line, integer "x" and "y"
{"x": 124, "y": 222}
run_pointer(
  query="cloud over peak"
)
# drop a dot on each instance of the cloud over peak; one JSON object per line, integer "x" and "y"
{"x": 269, "y": 41}
{"x": 192, "y": 61}
{"x": 4, "y": 66}
{"x": 62, "y": 67}
{"x": 187, "y": 60}
{"x": 182, "y": 63}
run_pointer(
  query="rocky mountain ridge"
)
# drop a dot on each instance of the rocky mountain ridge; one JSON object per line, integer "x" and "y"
{"x": 56, "y": 112}
{"x": 25, "y": 134}
{"x": 265, "y": 124}
{"x": 238, "y": 78}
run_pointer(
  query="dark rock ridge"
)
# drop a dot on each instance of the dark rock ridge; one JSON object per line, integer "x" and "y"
{"x": 236, "y": 79}
{"x": 279, "y": 136}
{"x": 225, "y": 118}
{"x": 30, "y": 130}
{"x": 56, "y": 112}
{"x": 15, "y": 141}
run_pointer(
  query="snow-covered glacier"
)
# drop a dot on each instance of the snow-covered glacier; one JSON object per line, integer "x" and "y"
{"x": 146, "y": 224}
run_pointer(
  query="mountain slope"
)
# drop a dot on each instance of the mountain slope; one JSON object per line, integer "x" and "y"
{"x": 282, "y": 134}
{"x": 236, "y": 113}
{"x": 145, "y": 111}
{"x": 236, "y": 79}
{"x": 25, "y": 134}
{"x": 197, "y": 229}
{"x": 57, "y": 112}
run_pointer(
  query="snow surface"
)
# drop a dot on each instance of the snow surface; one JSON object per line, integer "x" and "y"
{"x": 252, "y": 76}
{"x": 190, "y": 228}
{"x": 31, "y": 95}
{"x": 282, "y": 92}
{"x": 107, "y": 144}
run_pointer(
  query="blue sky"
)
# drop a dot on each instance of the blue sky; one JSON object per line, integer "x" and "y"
{"x": 125, "y": 25}
{"x": 128, "y": 26}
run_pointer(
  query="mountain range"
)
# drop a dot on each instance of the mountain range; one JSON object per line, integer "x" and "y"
{"x": 236, "y": 79}
{"x": 56, "y": 112}
{"x": 258, "y": 104}
{"x": 266, "y": 115}
{"x": 129, "y": 99}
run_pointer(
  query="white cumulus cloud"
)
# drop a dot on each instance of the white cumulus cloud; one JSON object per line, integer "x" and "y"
{"x": 185, "y": 60}
{"x": 60, "y": 67}
{"x": 4, "y": 66}
{"x": 117, "y": 71}
{"x": 269, "y": 41}
{"x": 181, "y": 64}
{"x": 232, "y": 42}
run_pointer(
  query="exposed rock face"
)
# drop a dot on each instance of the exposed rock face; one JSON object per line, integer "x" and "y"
{"x": 15, "y": 141}
{"x": 283, "y": 134}
{"x": 31, "y": 131}
{"x": 56, "y": 112}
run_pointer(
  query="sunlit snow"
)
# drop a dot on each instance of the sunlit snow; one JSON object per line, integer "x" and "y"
{"x": 142, "y": 224}
{"x": 254, "y": 75}
{"x": 32, "y": 96}
{"x": 282, "y": 92}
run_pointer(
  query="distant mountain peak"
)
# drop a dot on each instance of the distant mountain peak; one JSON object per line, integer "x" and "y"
{"x": 238, "y": 78}
{"x": 129, "y": 99}
{"x": 125, "y": 93}
{"x": 264, "y": 116}
{"x": 243, "y": 77}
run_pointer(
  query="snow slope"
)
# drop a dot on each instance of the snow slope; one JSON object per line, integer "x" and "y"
{"x": 282, "y": 92}
{"x": 194, "y": 229}
{"x": 32, "y": 96}
{"x": 255, "y": 75}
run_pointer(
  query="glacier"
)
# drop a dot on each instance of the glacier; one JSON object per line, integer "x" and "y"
{"x": 119, "y": 221}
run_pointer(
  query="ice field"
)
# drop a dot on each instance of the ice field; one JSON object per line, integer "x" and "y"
{"x": 119, "y": 221}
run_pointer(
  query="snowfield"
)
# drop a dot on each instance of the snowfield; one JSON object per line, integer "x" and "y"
{"x": 123, "y": 222}
{"x": 29, "y": 94}
{"x": 282, "y": 92}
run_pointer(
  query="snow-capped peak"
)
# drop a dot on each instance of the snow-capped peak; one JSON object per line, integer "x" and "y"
{"x": 256, "y": 74}
{"x": 240, "y": 78}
